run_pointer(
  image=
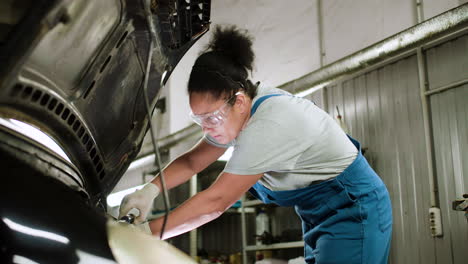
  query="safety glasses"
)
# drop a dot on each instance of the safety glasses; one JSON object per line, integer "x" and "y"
{"x": 216, "y": 118}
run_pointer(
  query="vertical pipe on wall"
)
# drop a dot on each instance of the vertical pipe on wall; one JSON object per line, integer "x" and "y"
{"x": 426, "y": 111}
{"x": 321, "y": 50}
{"x": 419, "y": 11}
{"x": 320, "y": 32}
{"x": 244, "y": 231}
{"x": 427, "y": 127}
{"x": 193, "y": 233}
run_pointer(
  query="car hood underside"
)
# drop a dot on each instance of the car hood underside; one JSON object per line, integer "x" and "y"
{"x": 76, "y": 70}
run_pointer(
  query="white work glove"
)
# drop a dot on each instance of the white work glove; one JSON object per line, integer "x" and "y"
{"x": 141, "y": 199}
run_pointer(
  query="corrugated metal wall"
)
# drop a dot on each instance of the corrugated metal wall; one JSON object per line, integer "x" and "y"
{"x": 382, "y": 109}
{"x": 448, "y": 63}
{"x": 450, "y": 114}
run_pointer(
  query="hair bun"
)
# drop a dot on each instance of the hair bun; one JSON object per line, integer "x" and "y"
{"x": 234, "y": 44}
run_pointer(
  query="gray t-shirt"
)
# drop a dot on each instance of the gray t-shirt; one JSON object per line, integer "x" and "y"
{"x": 292, "y": 141}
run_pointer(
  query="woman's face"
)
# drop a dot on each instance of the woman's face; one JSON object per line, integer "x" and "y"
{"x": 219, "y": 119}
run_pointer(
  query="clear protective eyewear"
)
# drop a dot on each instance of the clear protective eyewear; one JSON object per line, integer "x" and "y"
{"x": 216, "y": 118}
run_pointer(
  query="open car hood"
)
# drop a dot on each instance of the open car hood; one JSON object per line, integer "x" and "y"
{"x": 76, "y": 70}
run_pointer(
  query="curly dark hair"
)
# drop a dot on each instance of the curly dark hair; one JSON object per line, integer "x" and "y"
{"x": 223, "y": 67}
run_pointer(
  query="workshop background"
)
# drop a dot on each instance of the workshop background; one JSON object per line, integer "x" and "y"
{"x": 408, "y": 108}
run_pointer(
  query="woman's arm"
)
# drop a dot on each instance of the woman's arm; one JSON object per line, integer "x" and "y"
{"x": 206, "y": 205}
{"x": 177, "y": 172}
{"x": 188, "y": 164}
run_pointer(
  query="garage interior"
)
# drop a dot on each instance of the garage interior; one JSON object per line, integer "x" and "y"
{"x": 393, "y": 74}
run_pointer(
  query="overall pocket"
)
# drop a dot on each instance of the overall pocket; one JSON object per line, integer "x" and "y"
{"x": 384, "y": 208}
{"x": 345, "y": 202}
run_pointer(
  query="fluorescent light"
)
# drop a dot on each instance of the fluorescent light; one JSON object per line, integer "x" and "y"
{"x": 312, "y": 90}
{"x": 35, "y": 134}
{"x": 227, "y": 155}
{"x": 115, "y": 199}
{"x": 142, "y": 162}
{"x": 22, "y": 260}
{"x": 35, "y": 232}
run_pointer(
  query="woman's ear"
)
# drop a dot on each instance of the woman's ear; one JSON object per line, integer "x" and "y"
{"x": 242, "y": 103}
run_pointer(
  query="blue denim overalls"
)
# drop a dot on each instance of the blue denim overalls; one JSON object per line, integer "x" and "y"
{"x": 347, "y": 219}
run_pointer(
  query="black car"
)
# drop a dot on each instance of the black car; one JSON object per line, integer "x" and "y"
{"x": 80, "y": 71}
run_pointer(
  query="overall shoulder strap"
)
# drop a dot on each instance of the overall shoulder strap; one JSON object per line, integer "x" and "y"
{"x": 259, "y": 101}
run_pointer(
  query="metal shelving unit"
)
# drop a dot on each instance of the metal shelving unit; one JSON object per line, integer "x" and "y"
{"x": 294, "y": 244}
{"x": 246, "y": 206}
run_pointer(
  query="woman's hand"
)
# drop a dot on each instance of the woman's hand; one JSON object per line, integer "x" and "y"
{"x": 141, "y": 199}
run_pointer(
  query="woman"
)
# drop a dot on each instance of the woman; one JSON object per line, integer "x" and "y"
{"x": 286, "y": 151}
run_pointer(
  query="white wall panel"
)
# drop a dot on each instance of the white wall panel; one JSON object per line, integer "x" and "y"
{"x": 178, "y": 101}
{"x": 286, "y": 35}
{"x": 349, "y": 26}
{"x": 432, "y": 8}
